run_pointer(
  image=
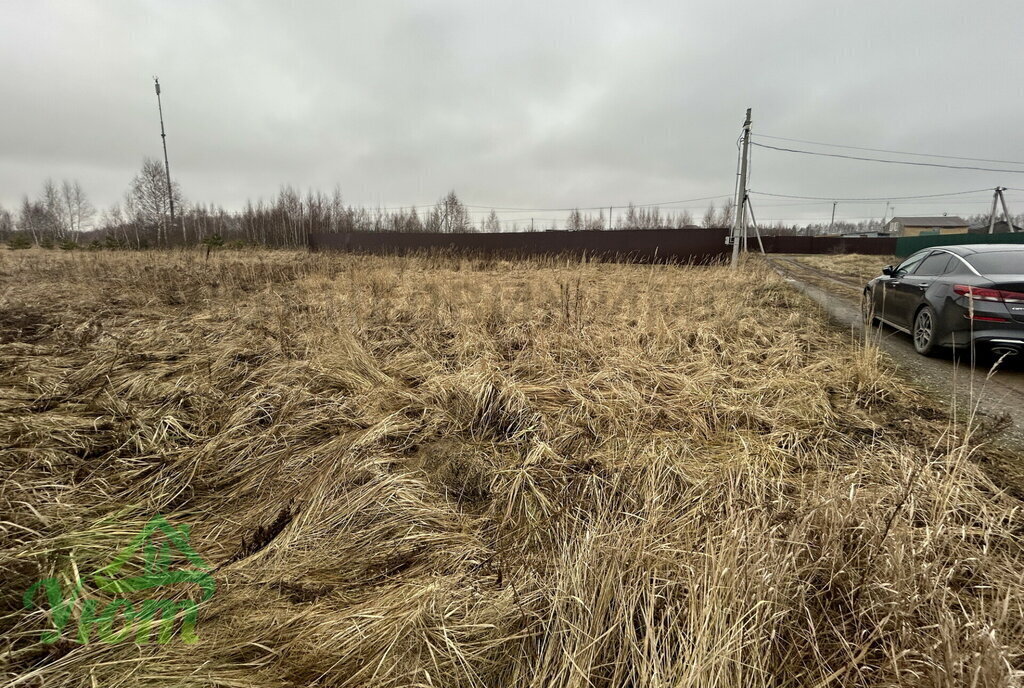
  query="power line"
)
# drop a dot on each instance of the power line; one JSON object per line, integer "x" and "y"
{"x": 877, "y": 198}
{"x": 487, "y": 208}
{"x": 917, "y": 203}
{"x": 891, "y": 162}
{"x": 815, "y": 222}
{"x": 597, "y": 207}
{"x": 886, "y": 150}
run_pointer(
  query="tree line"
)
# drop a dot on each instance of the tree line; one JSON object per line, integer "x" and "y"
{"x": 62, "y": 215}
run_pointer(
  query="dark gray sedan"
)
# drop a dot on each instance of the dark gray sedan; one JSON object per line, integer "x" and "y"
{"x": 954, "y": 296}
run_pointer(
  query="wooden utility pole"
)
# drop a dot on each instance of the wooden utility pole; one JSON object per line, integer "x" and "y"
{"x": 1006, "y": 212}
{"x": 739, "y": 225}
{"x": 167, "y": 164}
{"x": 832, "y": 222}
{"x": 992, "y": 212}
{"x": 998, "y": 197}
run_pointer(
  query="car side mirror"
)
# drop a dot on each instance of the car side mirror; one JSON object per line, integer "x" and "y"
{"x": 889, "y": 270}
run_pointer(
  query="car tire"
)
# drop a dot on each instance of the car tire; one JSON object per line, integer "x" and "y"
{"x": 867, "y": 309}
{"x": 925, "y": 331}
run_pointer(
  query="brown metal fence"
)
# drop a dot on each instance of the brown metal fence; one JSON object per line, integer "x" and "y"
{"x": 643, "y": 245}
{"x": 875, "y": 246}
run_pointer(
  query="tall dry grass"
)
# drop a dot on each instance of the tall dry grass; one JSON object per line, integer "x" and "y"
{"x": 455, "y": 472}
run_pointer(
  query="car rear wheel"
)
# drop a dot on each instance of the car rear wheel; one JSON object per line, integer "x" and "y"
{"x": 924, "y": 332}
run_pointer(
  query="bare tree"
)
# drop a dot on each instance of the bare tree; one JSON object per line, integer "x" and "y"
{"x": 36, "y": 220}
{"x": 6, "y": 223}
{"x": 591, "y": 222}
{"x": 147, "y": 201}
{"x": 79, "y": 211}
{"x": 630, "y": 219}
{"x": 113, "y": 223}
{"x": 449, "y": 215}
{"x": 575, "y": 221}
{"x": 492, "y": 223}
{"x": 724, "y": 218}
{"x": 709, "y": 216}
{"x": 337, "y": 208}
{"x": 68, "y": 209}
{"x": 413, "y": 222}
{"x": 57, "y": 211}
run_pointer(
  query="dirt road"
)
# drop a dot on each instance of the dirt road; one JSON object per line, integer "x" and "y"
{"x": 989, "y": 397}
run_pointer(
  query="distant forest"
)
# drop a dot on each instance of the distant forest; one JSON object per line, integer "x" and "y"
{"x": 62, "y": 216}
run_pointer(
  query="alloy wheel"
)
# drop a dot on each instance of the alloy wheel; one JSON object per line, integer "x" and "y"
{"x": 924, "y": 328}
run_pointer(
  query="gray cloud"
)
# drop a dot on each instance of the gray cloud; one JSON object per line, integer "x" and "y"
{"x": 512, "y": 104}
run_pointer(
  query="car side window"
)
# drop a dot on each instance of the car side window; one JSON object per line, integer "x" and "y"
{"x": 909, "y": 264}
{"x": 956, "y": 267}
{"x": 935, "y": 264}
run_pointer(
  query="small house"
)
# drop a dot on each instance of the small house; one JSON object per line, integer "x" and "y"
{"x": 918, "y": 226}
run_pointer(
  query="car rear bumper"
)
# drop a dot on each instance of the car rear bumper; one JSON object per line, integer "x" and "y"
{"x": 1012, "y": 337}
{"x": 986, "y": 323}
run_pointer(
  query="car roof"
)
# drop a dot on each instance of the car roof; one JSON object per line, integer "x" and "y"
{"x": 971, "y": 249}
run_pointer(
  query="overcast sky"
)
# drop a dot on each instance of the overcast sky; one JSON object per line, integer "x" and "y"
{"x": 521, "y": 104}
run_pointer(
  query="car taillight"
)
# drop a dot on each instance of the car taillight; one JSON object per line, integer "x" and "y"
{"x": 984, "y": 294}
{"x": 985, "y": 318}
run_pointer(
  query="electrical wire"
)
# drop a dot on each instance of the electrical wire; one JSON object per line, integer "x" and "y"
{"x": 474, "y": 209}
{"x": 979, "y": 203}
{"x": 806, "y": 220}
{"x": 890, "y": 162}
{"x": 830, "y": 199}
{"x": 886, "y": 150}
{"x": 597, "y": 207}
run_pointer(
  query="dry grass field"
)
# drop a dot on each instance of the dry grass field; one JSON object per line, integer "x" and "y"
{"x": 456, "y": 472}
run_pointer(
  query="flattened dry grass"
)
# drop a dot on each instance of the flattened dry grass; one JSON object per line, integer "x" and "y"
{"x": 855, "y": 267}
{"x": 457, "y": 472}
